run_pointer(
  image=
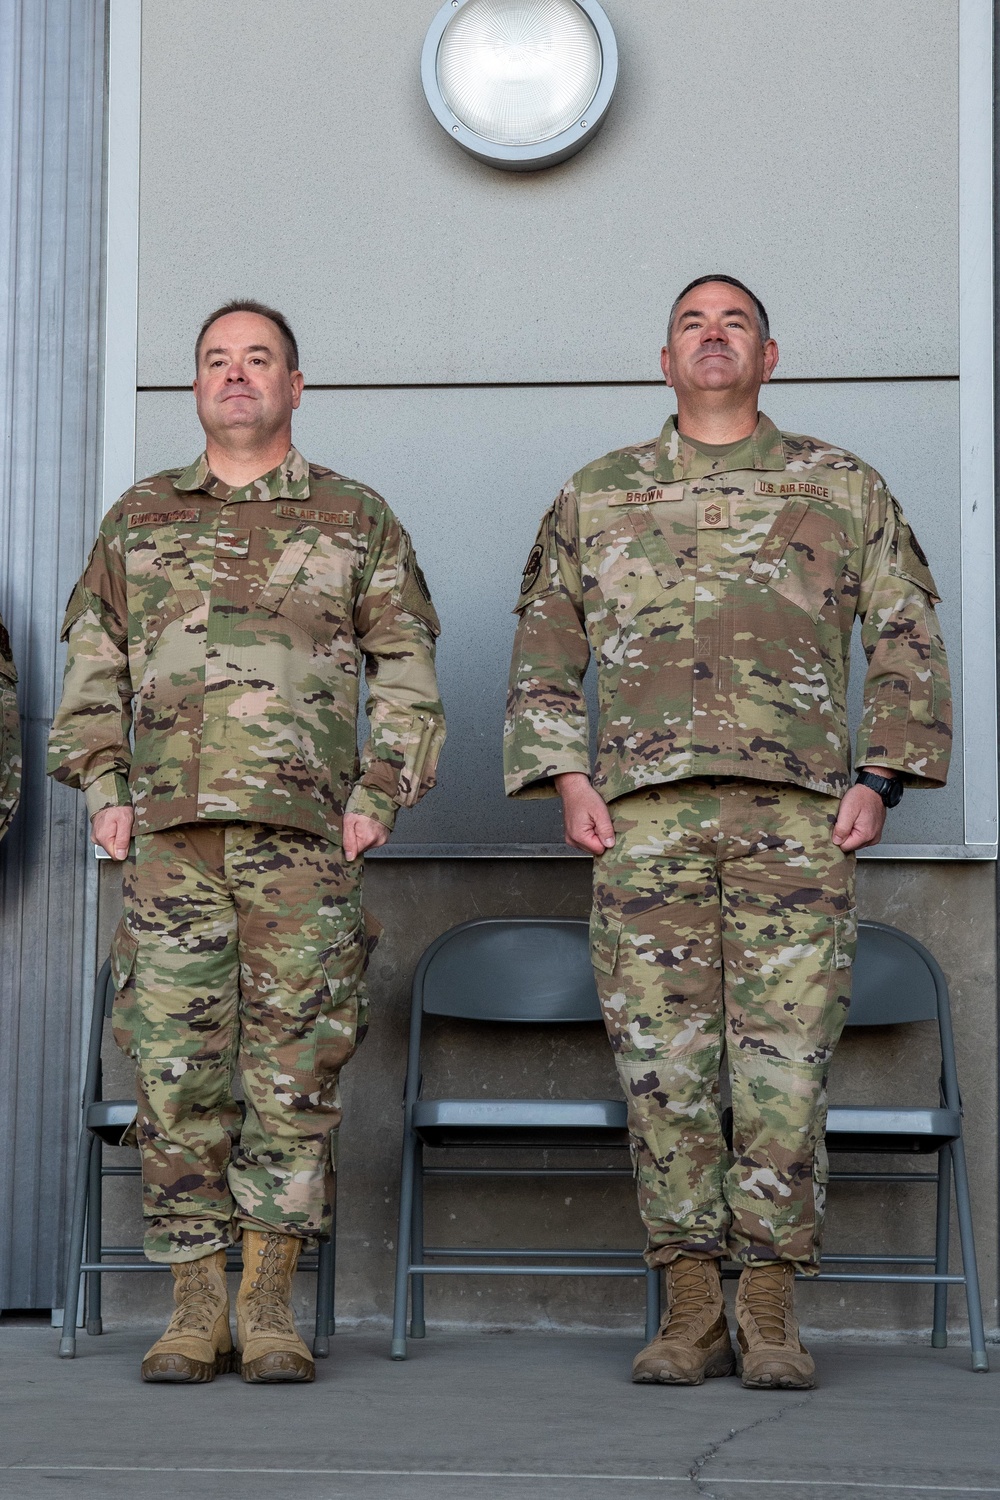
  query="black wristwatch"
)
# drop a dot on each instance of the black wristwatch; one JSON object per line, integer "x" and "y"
{"x": 889, "y": 788}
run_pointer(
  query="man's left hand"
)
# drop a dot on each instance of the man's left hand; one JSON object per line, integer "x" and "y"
{"x": 362, "y": 833}
{"x": 860, "y": 820}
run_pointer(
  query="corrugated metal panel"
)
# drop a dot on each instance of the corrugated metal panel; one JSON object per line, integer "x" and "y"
{"x": 51, "y": 129}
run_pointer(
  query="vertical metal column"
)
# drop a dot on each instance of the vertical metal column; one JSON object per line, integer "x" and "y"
{"x": 52, "y": 70}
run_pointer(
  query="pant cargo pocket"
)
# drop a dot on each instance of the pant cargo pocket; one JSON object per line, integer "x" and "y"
{"x": 343, "y": 1017}
{"x": 126, "y": 1018}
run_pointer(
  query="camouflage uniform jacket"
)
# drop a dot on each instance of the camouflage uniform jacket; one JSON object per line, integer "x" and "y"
{"x": 226, "y": 629}
{"x": 10, "y": 735}
{"x": 718, "y": 597}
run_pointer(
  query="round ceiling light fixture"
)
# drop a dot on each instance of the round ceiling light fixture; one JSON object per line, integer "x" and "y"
{"x": 520, "y": 84}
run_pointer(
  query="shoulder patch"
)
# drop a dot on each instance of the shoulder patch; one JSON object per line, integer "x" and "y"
{"x": 783, "y": 489}
{"x": 308, "y": 513}
{"x": 161, "y": 517}
{"x": 532, "y": 568}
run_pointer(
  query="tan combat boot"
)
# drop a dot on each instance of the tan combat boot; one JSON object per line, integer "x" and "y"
{"x": 270, "y": 1349}
{"x": 772, "y": 1355}
{"x": 693, "y": 1339}
{"x": 197, "y": 1345}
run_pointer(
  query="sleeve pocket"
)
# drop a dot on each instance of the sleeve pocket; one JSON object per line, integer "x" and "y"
{"x": 910, "y": 563}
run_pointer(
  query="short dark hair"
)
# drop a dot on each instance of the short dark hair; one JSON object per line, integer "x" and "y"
{"x": 761, "y": 310}
{"x": 248, "y": 305}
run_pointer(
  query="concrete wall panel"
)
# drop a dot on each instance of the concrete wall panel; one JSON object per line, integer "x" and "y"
{"x": 291, "y": 156}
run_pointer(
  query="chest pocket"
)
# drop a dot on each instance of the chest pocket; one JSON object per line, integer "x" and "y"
{"x": 160, "y": 579}
{"x": 311, "y": 582}
{"x": 629, "y": 553}
{"x": 803, "y": 556}
{"x": 649, "y": 523}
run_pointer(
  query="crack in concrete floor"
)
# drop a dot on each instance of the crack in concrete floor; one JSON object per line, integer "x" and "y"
{"x": 695, "y": 1472}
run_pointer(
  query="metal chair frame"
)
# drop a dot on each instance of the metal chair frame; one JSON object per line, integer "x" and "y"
{"x": 104, "y": 1121}
{"x": 892, "y": 1130}
{"x": 518, "y": 1123}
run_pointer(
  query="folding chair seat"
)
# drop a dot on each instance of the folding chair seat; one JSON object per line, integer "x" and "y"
{"x": 515, "y": 971}
{"x": 898, "y": 982}
{"x": 105, "y": 1123}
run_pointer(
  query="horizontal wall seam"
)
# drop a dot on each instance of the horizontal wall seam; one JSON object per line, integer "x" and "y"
{"x": 570, "y": 385}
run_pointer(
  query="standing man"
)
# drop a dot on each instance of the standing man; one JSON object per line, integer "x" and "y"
{"x": 222, "y": 620}
{"x": 716, "y": 575}
{"x": 10, "y": 734}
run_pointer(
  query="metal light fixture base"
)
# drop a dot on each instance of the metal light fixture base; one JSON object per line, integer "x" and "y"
{"x": 535, "y": 156}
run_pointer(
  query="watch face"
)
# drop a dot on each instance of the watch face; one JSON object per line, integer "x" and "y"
{"x": 889, "y": 788}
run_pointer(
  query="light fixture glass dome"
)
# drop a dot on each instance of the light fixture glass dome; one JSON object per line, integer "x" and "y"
{"x": 518, "y": 72}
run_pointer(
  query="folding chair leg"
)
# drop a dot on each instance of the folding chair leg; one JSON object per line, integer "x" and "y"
{"x": 95, "y": 1216}
{"x": 71, "y": 1295}
{"x": 652, "y": 1302}
{"x": 963, "y": 1204}
{"x": 418, "y": 1328}
{"x": 324, "y": 1299}
{"x": 398, "y": 1346}
{"x": 939, "y": 1335}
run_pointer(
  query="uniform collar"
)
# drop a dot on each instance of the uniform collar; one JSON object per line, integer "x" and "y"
{"x": 676, "y": 459}
{"x": 289, "y": 481}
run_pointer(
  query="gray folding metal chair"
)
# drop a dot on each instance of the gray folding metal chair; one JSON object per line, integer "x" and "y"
{"x": 517, "y": 971}
{"x": 896, "y": 982}
{"x": 105, "y": 1122}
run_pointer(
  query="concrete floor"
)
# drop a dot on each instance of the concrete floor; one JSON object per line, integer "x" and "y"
{"x": 521, "y": 1416}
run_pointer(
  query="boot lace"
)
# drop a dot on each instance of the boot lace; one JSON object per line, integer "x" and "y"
{"x": 765, "y": 1299}
{"x": 198, "y": 1309}
{"x": 267, "y": 1311}
{"x": 689, "y": 1291}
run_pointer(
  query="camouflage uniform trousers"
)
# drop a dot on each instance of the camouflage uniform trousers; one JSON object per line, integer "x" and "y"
{"x": 725, "y": 910}
{"x": 242, "y": 946}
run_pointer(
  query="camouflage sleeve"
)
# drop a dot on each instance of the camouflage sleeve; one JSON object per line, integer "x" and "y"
{"x": 89, "y": 740}
{"x": 396, "y": 626}
{"x": 546, "y": 731}
{"x": 10, "y": 735}
{"x": 906, "y": 723}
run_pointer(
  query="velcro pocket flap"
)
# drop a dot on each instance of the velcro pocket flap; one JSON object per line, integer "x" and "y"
{"x": 656, "y": 543}
{"x": 786, "y": 523}
{"x": 909, "y": 562}
{"x": 124, "y": 947}
{"x": 845, "y": 938}
{"x": 605, "y": 932}
{"x": 287, "y": 569}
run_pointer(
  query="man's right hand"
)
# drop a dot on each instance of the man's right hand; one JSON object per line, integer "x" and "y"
{"x": 586, "y": 819}
{"x": 112, "y": 829}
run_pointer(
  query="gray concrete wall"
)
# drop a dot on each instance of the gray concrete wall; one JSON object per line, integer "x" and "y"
{"x": 813, "y": 152}
{"x": 949, "y": 907}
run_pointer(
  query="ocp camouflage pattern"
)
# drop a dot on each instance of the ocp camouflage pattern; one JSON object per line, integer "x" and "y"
{"x": 236, "y": 623}
{"x": 243, "y": 947}
{"x": 718, "y": 597}
{"x": 10, "y": 734}
{"x": 726, "y": 914}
